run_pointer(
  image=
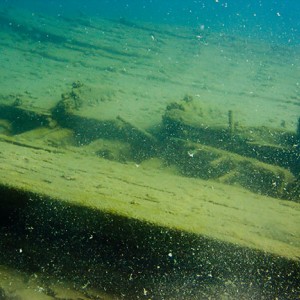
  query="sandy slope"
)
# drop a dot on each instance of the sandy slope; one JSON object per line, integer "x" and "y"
{"x": 137, "y": 68}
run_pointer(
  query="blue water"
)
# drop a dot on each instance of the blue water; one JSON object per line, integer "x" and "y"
{"x": 276, "y": 21}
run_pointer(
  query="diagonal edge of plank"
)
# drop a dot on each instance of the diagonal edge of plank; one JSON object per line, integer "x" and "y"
{"x": 203, "y": 208}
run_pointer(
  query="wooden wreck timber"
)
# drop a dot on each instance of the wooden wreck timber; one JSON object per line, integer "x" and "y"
{"x": 68, "y": 204}
{"x": 204, "y": 208}
{"x": 261, "y": 159}
{"x": 63, "y": 175}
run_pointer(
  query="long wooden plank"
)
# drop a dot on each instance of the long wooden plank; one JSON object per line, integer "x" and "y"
{"x": 154, "y": 196}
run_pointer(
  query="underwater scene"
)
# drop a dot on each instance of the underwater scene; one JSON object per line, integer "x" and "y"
{"x": 149, "y": 149}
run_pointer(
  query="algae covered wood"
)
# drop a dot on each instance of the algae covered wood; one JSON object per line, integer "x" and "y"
{"x": 154, "y": 196}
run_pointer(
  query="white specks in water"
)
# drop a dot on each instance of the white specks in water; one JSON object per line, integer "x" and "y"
{"x": 191, "y": 154}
